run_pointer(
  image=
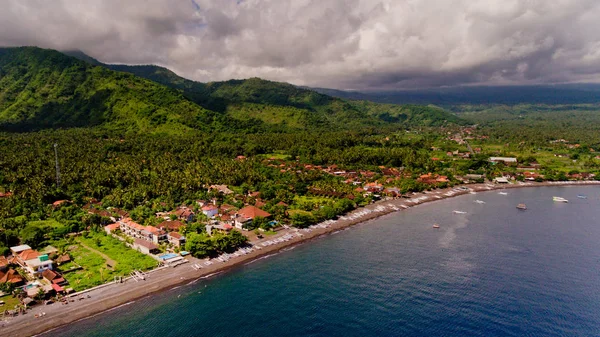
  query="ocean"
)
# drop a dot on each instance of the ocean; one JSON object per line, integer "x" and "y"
{"x": 493, "y": 271}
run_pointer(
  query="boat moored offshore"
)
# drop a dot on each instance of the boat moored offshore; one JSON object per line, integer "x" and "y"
{"x": 559, "y": 199}
{"x": 522, "y": 206}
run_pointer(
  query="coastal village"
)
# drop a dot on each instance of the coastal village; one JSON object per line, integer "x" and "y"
{"x": 120, "y": 246}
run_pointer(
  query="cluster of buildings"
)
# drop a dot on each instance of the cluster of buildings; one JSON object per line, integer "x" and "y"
{"x": 39, "y": 268}
{"x": 147, "y": 238}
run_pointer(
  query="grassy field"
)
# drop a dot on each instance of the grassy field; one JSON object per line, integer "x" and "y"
{"x": 46, "y": 223}
{"x": 9, "y": 302}
{"x": 106, "y": 258}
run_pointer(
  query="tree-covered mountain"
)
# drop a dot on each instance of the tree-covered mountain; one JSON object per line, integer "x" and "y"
{"x": 274, "y": 102}
{"x": 42, "y": 88}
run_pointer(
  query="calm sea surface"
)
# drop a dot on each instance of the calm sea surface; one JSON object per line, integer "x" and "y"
{"x": 494, "y": 271}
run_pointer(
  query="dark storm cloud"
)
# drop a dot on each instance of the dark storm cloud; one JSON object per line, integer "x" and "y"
{"x": 347, "y": 44}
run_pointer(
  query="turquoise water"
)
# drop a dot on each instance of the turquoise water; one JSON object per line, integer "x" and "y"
{"x": 494, "y": 271}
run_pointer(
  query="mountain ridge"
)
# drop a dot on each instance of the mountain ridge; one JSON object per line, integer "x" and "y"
{"x": 43, "y": 88}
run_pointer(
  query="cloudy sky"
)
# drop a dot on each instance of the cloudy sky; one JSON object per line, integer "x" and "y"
{"x": 344, "y": 44}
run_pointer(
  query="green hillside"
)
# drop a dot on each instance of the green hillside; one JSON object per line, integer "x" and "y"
{"x": 42, "y": 89}
{"x": 45, "y": 89}
{"x": 269, "y": 101}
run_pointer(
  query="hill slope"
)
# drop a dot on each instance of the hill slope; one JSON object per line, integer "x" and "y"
{"x": 42, "y": 88}
{"x": 276, "y": 103}
{"x": 46, "y": 89}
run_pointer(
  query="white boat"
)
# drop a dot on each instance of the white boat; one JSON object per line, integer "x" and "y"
{"x": 459, "y": 212}
{"x": 581, "y": 196}
{"x": 521, "y": 206}
{"x": 436, "y": 226}
{"x": 479, "y": 201}
{"x": 559, "y": 199}
{"x": 502, "y": 193}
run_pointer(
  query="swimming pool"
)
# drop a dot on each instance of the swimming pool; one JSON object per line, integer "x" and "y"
{"x": 167, "y": 256}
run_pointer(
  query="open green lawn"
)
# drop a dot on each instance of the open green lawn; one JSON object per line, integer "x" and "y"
{"x": 126, "y": 259}
{"x": 46, "y": 223}
{"x": 96, "y": 269}
{"x": 9, "y": 302}
{"x": 291, "y": 212}
{"x": 314, "y": 199}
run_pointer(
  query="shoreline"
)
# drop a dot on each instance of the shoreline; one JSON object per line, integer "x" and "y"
{"x": 111, "y": 296}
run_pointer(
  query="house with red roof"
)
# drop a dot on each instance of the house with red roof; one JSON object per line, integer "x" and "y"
{"x": 145, "y": 246}
{"x": 171, "y": 225}
{"x": 210, "y": 210}
{"x": 184, "y": 213}
{"x": 11, "y": 276}
{"x": 53, "y": 277}
{"x": 137, "y": 231}
{"x": 176, "y": 239}
{"x": 3, "y": 263}
{"x": 111, "y": 228}
{"x": 246, "y": 215}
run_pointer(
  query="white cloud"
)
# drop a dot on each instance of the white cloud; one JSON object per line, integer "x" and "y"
{"x": 359, "y": 44}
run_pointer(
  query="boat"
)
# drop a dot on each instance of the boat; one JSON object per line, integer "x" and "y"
{"x": 436, "y": 226}
{"x": 479, "y": 201}
{"x": 522, "y": 206}
{"x": 581, "y": 196}
{"x": 459, "y": 212}
{"x": 502, "y": 193}
{"x": 559, "y": 199}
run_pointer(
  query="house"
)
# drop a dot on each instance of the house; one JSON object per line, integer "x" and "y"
{"x": 171, "y": 225}
{"x": 176, "y": 239}
{"x": 474, "y": 177}
{"x": 3, "y": 263}
{"x": 226, "y": 208}
{"x": 431, "y": 178}
{"x": 18, "y": 249}
{"x": 26, "y": 255}
{"x": 59, "y": 203}
{"x": 36, "y": 266}
{"x": 53, "y": 277}
{"x": 505, "y": 160}
{"x": 111, "y": 228}
{"x": 221, "y": 188}
{"x": 184, "y": 213}
{"x": 158, "y": 235}
{"x": 11, "y": 276}
{"x": 5, "y": 194}
{"x": 63, "y": 259}
{"x": 148, "y": 233}
{"x": 373, "y": 187}
{"x": 210, "y": 210}
{"x": 245, "y": 216}
{"x": 501, "y": 180}
{"x": 144, "y": 246}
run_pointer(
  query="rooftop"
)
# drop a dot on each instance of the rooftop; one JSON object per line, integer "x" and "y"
{"x": 18, "y": 249}
{"x": 252, "y": 212}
